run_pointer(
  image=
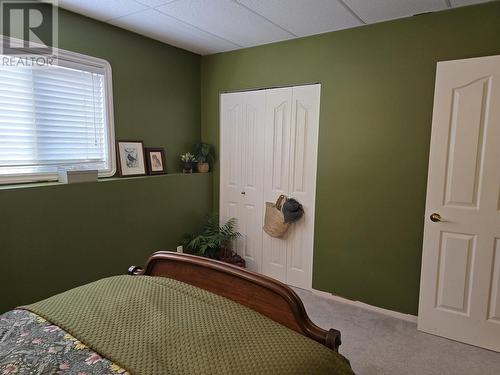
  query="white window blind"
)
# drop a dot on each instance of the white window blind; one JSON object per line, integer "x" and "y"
{"x": 54, "y": 116}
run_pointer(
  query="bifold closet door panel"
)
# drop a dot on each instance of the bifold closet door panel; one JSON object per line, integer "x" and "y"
{"x": 304, "y": 129}
{"x": 276, "y": 173}
{"x": 242, "y": 159}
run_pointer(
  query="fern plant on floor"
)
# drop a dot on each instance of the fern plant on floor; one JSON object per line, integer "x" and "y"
{"x": 215, "y": 241}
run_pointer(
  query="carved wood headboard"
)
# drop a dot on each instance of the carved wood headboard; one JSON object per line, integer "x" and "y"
{"x": 260, "y": 293}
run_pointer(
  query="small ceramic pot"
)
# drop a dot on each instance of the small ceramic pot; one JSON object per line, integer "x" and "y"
{"x": 187, "y": 167}
{"x": 203, "y": 167}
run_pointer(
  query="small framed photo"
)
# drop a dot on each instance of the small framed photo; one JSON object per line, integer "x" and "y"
{"x": 131, "y": 158}
{"x": 155, "y": 159}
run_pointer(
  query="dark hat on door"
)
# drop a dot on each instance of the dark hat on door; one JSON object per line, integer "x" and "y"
{"x": 292, "y": 210}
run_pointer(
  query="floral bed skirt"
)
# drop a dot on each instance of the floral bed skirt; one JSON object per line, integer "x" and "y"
{"x": 31, "y": 345}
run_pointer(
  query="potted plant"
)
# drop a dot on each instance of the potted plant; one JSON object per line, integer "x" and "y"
{"x": 188, "y": 161}
{"x": 205, "y": 154}
{"x": 215, "y": 241}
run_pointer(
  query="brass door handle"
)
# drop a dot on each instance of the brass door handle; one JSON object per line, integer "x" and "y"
{"x": 436, "y": 218}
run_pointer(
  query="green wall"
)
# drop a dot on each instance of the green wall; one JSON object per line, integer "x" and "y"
{"x": 54, "y": 237}
{"x": 156, "y": 87}
{"x": 376, "y": 109}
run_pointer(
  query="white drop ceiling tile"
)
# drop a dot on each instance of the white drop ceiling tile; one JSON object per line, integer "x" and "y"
{"x": 372, "y": 11}
{"x": 460, "y": 3}
{"x": 226, "y": 19}
{"x": 102, "y": 9}
{"x": 156, "y": 25}
{"x": 154, "y": 3}
{"x": 211, "y": 26}
{"x": 304, "y": 17}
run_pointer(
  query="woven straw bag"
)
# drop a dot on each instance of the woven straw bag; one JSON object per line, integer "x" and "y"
{"x": 274, "y": 221}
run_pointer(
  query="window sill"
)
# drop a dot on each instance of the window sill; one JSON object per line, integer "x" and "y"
{"x": 30, "y": 185}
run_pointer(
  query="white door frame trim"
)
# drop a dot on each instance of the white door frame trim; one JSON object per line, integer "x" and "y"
{"x": 270, "y": 87}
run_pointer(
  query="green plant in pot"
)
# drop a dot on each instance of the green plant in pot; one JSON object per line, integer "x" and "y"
{"x": 188, "y": 161}
{"x": 215, "y": 241}
{"x": 205, "y": 154}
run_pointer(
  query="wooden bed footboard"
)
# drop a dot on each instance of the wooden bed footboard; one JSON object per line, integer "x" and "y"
{"x": 260, "y": 293}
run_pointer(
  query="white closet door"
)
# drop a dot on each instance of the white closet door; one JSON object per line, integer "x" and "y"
{"x": 291, "y": 142}
{"x": 304, "y": 130}
{"x": 242, "y": 157}
{"x": 276, "y": 173}
{"x": 269, "y": 141}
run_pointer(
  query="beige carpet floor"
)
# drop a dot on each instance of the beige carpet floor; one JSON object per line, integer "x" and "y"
{"x": 380, "y": 345}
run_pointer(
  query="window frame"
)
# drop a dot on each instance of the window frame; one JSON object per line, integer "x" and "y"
{"x": 93, "y": 64}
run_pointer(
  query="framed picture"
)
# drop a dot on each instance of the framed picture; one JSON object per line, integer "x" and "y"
{"x": 131, "y": 158}
{"x": 155, "y": 159}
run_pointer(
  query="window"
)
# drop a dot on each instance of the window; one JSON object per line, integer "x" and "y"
{"x": 55, "y": 116}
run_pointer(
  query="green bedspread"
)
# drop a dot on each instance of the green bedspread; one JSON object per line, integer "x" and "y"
{"x": 152, "y": 325}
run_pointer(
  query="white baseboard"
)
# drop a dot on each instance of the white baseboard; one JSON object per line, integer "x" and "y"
{"x": 394, "y": 314}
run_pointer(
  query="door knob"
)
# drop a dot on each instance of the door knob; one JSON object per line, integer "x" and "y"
{"x": 243, "y": 193}
{"x": 436, "y": 218}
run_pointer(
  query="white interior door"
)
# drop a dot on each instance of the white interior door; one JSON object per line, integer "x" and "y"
{"x": 276, "y": 173}
{"x": 460, "y": 281}
{"x": 242, "y": 157}
{"x": 291, "y": 143}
